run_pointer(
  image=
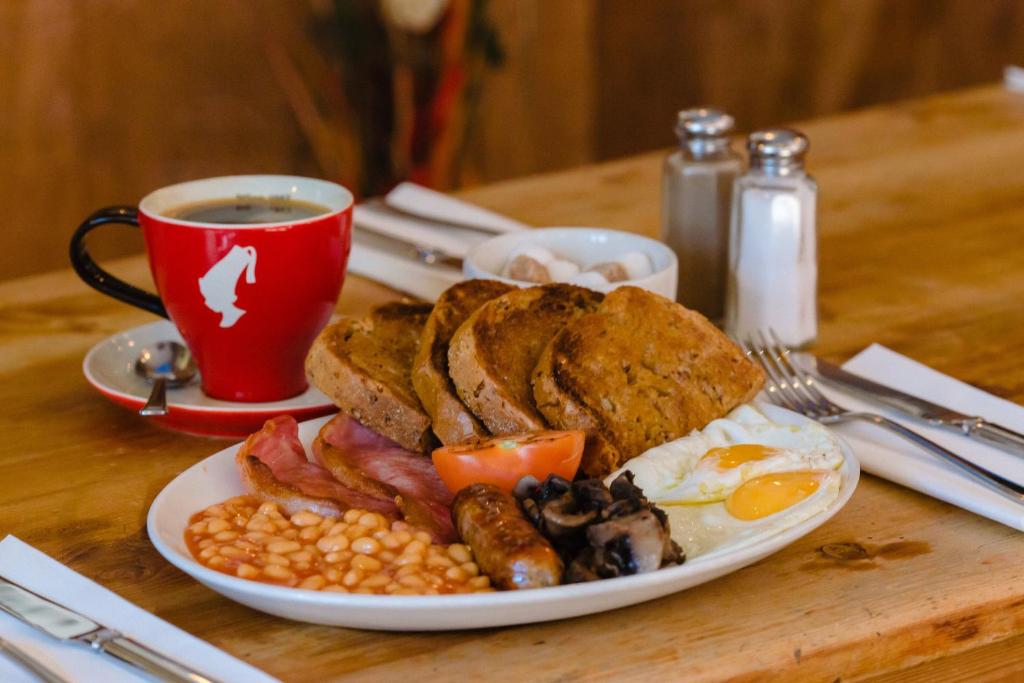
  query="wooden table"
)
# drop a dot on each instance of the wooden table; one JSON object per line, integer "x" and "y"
{"x": 922, "y": 249}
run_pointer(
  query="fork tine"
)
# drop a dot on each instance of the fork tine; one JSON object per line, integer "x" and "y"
{"x": 775, "y": 353}
{"x": 782, "y": 395}
{"x": 778, "y": 374}
{"x": 770, "y": 387}
{"x": 799, "y": 377}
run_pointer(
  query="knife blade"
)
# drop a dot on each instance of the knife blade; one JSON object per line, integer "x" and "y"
{"x": 65, "y": 624}
{"x": 915, "y": 407}
{"x": 30, "y": 663}
{"x": 423, "y": 254}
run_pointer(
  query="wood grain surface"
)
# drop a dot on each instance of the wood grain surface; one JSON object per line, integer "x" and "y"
{"x": 921, "y": 224}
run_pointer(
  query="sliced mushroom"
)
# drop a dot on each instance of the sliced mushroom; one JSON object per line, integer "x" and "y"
{"x": 525, "y": 485}
{"x": 600, "y": 532}
{"x": 644, "y": 535}
{"x": 591, "y": 494}
{"x": 561, "y": 517}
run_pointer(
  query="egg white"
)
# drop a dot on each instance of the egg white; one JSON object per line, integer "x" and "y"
{"x": 699, "y": 529}
{"x": 676, "y": 472}
{"x": 692, "y": 489}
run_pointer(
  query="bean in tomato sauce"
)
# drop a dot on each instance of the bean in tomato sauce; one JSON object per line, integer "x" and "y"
{"x": 363, "y": 552}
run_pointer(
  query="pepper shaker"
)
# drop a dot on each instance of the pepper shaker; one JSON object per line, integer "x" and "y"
{"x": 773, "y": 258}
{"x": 697, "y": 182}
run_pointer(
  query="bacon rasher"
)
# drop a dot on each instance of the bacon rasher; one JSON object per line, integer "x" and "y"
{"x": 274, "y": 467}
{"x": 372, "y": 464}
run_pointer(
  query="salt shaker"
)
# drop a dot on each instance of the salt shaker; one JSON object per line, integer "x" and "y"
{"x": 697, "y": 182}
{"x": 773, "y": 259}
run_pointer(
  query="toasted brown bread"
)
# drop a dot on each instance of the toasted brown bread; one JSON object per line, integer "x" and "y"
{"x": 640, "y": 371}
{"x": 493, "y": 353}
{"x": 364, "y": 364}
{"x": 452, "y": 421}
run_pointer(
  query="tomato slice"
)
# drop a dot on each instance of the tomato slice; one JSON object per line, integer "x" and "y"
{"x": 504, "y": 460}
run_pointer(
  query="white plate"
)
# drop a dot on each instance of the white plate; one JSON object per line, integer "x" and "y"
{"x": 215, "y": 479}
{"x": 110, "y": 368}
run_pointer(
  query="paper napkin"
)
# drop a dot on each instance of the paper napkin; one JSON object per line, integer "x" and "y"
{"x": 886, "y": 455}
{"x": 439, "y": 206}
{"x": 26, "y": 566}
{"x": 379, "y": 260}
{"x": 376, "y": 260}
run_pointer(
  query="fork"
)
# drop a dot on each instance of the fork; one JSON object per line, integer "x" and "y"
{"x": 790, "y": 387}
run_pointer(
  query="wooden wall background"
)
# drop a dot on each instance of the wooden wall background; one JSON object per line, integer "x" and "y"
{"x": 104, "y": 100}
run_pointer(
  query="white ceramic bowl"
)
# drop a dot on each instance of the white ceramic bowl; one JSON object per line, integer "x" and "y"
{"x": 583, "y": 246}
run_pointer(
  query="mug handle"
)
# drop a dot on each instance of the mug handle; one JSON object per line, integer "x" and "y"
{"x": 101, "y": 280}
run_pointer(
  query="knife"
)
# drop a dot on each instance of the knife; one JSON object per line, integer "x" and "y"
{"x": 30, "y": 663}
{"x": 64, "y": 624}
{"x": 918, "y": 408}
{"x": 423, "y": 254}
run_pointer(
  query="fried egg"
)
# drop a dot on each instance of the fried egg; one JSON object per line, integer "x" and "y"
{"x": 707, "y": 465}
{"x": 741, "y": 477}
{"x": 760, "y": 507}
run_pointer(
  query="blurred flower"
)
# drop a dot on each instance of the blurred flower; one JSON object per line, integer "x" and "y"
{"x": 414, "y": 16}
{"x": 387, "y": 90}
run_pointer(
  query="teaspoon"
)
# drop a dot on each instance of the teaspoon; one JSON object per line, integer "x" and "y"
{"x": 166, "y": 363}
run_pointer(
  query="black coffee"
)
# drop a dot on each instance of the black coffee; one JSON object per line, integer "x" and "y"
{"x": 247, "y": 209}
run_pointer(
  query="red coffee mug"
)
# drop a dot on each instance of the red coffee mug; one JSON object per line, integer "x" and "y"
{"x": 248, "y": 298}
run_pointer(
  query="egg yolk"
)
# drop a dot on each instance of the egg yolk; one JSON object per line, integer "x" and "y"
{"x": 729, "y": 457}
{"x": 770, "y": 493}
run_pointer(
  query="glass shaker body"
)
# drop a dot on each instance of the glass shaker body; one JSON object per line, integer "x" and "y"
{"x": 697, "y": 182}
{"x": 773, "y": 257}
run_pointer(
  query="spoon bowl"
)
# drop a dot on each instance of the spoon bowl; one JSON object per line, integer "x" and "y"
{"x": 166, "y": 363}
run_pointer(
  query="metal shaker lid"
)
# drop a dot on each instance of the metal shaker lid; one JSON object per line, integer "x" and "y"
{"x": 703, "y": 123}
{"x": 778, "y": 143}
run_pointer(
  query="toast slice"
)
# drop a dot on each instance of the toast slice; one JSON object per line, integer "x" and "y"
{"x": 452, "y": 421}
{"x": 493, "y": 353}
{"x": 364, "y": 365}
{"x": 640, "y": 371}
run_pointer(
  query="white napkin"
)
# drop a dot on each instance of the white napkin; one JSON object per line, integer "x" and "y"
{"x": 886, "y": 455}
{"x": 441, "y": 207}
{"x": 26, "y": 566}
{"x": 379, "y": 260}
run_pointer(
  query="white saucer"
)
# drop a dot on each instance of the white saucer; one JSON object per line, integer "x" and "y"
{"x": 110, "y": 367}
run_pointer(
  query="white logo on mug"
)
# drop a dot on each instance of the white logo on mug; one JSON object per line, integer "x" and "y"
{"x": 219, "y": 284}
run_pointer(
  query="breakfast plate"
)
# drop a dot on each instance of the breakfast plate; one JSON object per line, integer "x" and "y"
{"x": 110, "y": 368}
{"x": 216, "y": 479}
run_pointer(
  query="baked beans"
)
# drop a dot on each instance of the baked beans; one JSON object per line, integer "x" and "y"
{"x": 363, "y": 552}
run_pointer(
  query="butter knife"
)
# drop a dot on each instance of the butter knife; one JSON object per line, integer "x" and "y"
{"x": 917, "y": 408}
{"x": 417, "y": 252}
{"x": 64, "y": 624}
{"x": 30, "y": 663}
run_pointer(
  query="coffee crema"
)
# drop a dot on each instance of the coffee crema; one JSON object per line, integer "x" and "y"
{"x": 247, "y": 210}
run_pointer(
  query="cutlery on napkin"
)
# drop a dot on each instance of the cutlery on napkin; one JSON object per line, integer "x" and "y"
{"x": 920, "y": 409}
{"x": 424, "y": 218}
{"x": 886, "y": 455}
{"x": 35, "y": 571}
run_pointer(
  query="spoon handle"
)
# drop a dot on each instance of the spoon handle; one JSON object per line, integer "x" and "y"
{"x": 157, "y": 403}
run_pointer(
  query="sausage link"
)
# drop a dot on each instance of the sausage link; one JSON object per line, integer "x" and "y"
{"x": 507, "y": 547}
